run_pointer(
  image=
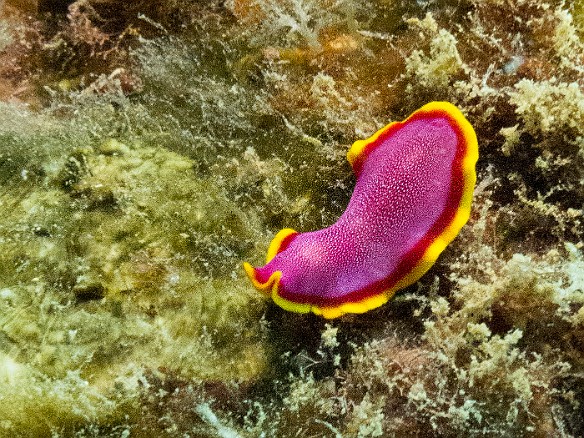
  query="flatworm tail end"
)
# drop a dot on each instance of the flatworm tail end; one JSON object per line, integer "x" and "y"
{"x": 357, "y": 154}
{"x": 468, "y": 159}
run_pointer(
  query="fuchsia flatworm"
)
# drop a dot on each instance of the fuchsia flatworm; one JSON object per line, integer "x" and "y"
{"x": 415, "y": 181}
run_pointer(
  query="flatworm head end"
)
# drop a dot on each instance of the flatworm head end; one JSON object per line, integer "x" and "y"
{"x": 270, "y": 287}
{"x": 267, "y": 283}
{"x": 280, "y": 242}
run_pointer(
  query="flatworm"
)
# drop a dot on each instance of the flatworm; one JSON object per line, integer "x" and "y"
{"x": 415, "y": 181}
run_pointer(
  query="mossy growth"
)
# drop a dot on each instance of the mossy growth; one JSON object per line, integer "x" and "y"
{"x": 117, "y": 257}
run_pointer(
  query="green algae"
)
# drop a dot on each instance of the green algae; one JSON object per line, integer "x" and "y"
{"x": 94, "y": 284}
{"x": 130, "y": 198}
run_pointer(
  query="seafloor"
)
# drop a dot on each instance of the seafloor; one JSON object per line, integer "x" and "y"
{"x": 148, "y": 148}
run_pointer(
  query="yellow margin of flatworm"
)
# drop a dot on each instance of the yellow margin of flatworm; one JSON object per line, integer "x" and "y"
{"x": 432, "y": 252}
{"x": 276, "y": 243}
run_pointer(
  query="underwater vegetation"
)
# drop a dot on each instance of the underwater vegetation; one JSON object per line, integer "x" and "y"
{"x": 147, "y": 150}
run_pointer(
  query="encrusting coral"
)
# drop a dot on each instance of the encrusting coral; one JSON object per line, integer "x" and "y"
{"x": 146, "y": 151}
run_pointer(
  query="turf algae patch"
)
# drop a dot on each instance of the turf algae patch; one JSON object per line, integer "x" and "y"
{"x": 115, "y": 257}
